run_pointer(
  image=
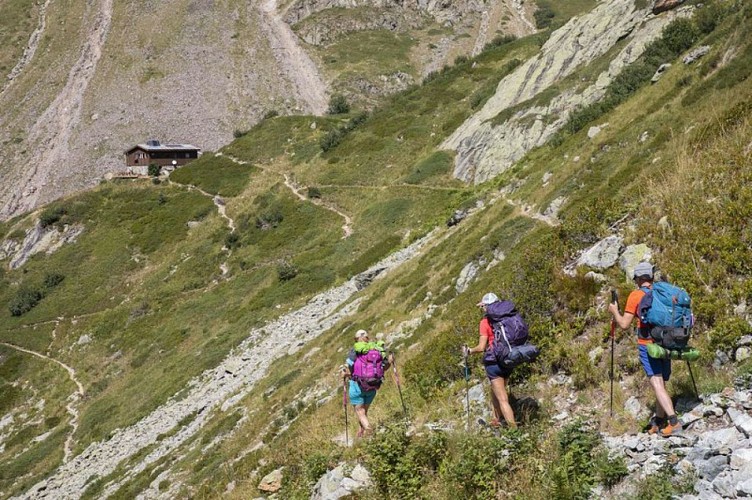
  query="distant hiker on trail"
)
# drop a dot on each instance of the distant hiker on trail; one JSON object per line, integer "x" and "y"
{"x": 366, "y": 363}
{"x": 658, "y": 371}
{"x": 497, "y": 374}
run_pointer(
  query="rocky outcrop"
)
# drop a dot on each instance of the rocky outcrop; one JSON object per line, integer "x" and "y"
{"x": 441, "y": 10}
{"x": 715, "y": 447}
{"x": 37, "y": 240}
{"x": 603, "y": 254}
{"x": 485, "y": 149}
{"x": 325, "y": 29}
{"x": 341, "y": 482}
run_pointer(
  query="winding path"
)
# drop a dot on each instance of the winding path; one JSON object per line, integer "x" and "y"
{"x": 346, "y": 227}
{"x": 219, "y": 202}
{"x": 74, "y": 398}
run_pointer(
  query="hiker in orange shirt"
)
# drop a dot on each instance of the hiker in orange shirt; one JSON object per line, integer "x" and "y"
{"x": 658, "y": 371}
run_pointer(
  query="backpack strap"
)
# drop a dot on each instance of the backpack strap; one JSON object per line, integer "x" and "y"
{"x": 504, "y": 334}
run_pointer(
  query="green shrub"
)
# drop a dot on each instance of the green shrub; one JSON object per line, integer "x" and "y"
{"x": 680, "y": 35}
{"x": 475, "y": 464}
{"x": 286, "y": 271}
{"x": 269, "y": 219}
{"x": 338, "y": 105}
{"x": 314, "y": 192}
{"x": 24, "y": 301}
{"x": 153, "y": 170}
{"x": 544, "y": 16}
{"x": 728, "y": 331}
{"x": 573, "y": 473}
{"x": 498, "y": 41}
{"x": 51, "y": 280}
{"x": 232, "y": 240}
{"x": 707, "y": 18}
{"x": 52, "y": 215}
{"x": 237, "y": 133}
{"x": 330, "y": 140}
{"x": 270, "y": 114}
{"x": 400, "y": 464}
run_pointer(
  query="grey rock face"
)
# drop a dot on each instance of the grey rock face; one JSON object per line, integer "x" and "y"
{"x": 741, "y": 420}
{"x": 38, "y": 240}
{"x": 485, "y": 150}
{"x": 466, "y": 277}
{"x": 603, "y": 254}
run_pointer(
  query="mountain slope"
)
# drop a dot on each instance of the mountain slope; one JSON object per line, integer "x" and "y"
{"x": 95, "y": 79}
{"x": 160, "y": 291}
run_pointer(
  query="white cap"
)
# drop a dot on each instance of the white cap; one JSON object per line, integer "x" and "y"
{"x": 488, "y": 298}
{"x": 360, "y": 334}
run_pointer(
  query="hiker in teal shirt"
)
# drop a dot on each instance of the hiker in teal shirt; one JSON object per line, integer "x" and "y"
{"x": 362, "y": 397}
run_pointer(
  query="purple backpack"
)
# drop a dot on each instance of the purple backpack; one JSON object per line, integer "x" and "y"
{"x": 368, "y": 370}
{"x": 509, "y": 346}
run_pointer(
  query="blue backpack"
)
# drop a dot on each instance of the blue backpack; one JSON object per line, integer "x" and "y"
{"x": 510, "y": 345}
{"x": 667, "y": 315}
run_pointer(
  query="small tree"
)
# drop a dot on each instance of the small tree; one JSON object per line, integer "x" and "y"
{"x": 330, "y": 140}
{"x": 338, "y": 105}
{"x": 154, "y": 170}
{"x": 314, "y": 192}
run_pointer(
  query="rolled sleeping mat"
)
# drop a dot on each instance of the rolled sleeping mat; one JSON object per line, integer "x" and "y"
{"x": 658, "y": 352}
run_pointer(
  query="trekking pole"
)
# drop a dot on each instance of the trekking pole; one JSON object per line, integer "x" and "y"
{"x": 399, "y": 387}
{"x": 344, "y": 406}
{"x": 692, "y": 378}
{"x": 467, "y": 387}
{"x": 614, "y": 300}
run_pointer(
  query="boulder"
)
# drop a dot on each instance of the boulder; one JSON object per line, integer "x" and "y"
{"x": 741, "y": 458}
{"x": 341, "y": 482}
{"x": 742, "y": 353}
{"x": 741, "y": 420}
{"x": 632, "y": 255}
{"x": 709, "y": 469}
{"x": 721, "y": 359}
{"x": 467, "y": 276}
{"x": 744, "y": 488}
{"x": 635, "y": 408}
{"x": 664, "y": 5}
{"x": 696, "y": 54}
{"x": 659, "y": 72}
{"x": 602, "y": 255}
{"x": 746, "y": 340}
{"x": 272, "y": 482}
{"x": 457, "y": 217}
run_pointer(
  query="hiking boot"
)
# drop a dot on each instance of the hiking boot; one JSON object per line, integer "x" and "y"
{"x": 671, "y": 429}
{"x": 656, "y": 424}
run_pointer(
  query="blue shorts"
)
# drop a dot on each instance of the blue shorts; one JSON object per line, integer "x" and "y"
{"x": 654, "y": 366}
{"x": 359, "y": 396}
{"x": 496, "y": 371}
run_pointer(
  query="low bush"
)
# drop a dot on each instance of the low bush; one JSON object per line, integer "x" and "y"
{"x": 52, "y": 215}
{"x": 401, "y": 465}
{"x": 286, "y": 271}
{"x": 153, "y": 170}
{"x": 24, "y": 301}
{"x": 330, "y": 140}
{"x": 338, "y": 105}
{"x": 313, "y": 192}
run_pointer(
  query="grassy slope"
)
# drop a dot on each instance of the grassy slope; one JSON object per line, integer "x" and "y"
{"x": 170, "y": 320}
{"x": 18, "y": 21}
{"x": 687, "y": 134}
